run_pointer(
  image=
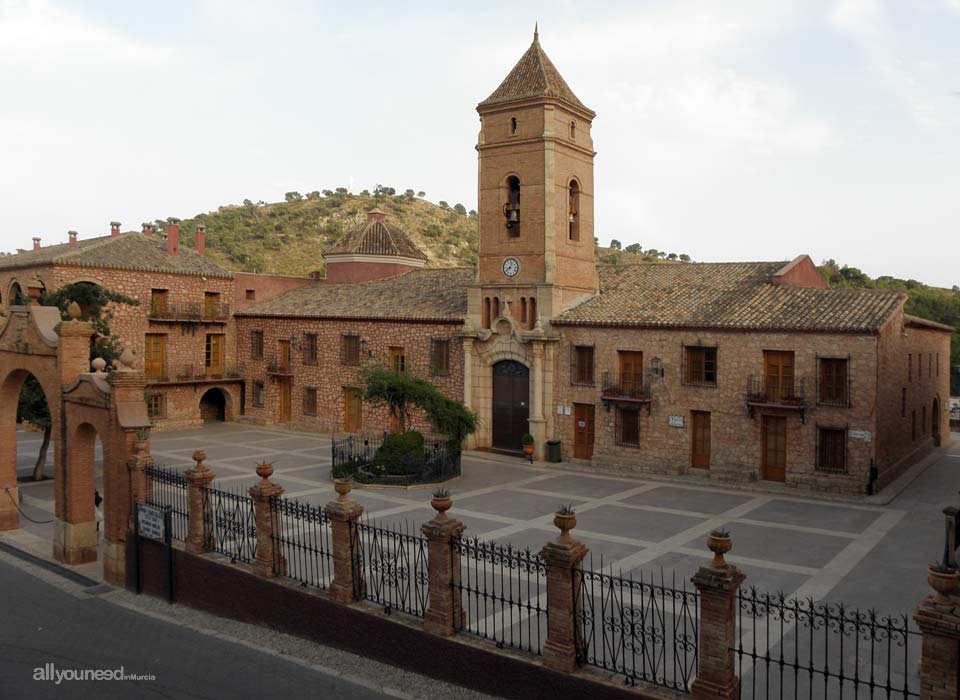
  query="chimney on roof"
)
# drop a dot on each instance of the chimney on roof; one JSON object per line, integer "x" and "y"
{"x": 114, "y": 228}
{"x": 147, "y": 229}
{"x": 375, "y": 215}
{"x": 72, "y": 237}
{"x": 200, "y": 242}
{"x": 36, "y": 243}
{"x": 173, "y": 236}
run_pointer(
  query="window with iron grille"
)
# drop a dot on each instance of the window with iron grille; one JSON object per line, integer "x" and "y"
{"x": 440, "y": 356}
{"x": 350, "y": 350}
{"x": 833, "y": 384}
{"x": 832, "y": 450}
{"x": 581, "y": 365}
{"x": 256, "y": 344}
{"x": 700, "y": 365}
{"x": 259, "y": 395}
{"x": 155, "y": 406}
{"x": 627, "y": 426}
{"x": 310, "y": 348}
{"x": 309, "y": 401}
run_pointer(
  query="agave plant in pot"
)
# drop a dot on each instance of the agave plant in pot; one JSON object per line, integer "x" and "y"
{"x": 441, "y": 502}
{"x": 565, "y": 519}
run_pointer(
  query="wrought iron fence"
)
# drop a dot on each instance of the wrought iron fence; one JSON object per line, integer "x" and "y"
{"x": 792, "y": 648}
{"x": 503, "y": 593}
{"x": 301, "y": 542}
{"x": 390, "y": 567}
{"x": 169, "y": 488}
{"x": 355, "y": 457}
{"x": 230, "y": 524}
{"x": 643, "y": 629}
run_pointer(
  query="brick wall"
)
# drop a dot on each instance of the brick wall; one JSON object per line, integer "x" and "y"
{"x": 329, "y": 376}
{"x": 262, "y": 287}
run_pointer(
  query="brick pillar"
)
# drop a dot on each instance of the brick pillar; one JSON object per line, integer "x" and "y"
{"x": 938, "y": 617}
{"x": 137, "y": 465}
{"x": 563, "y": 557}
{"x": 266, "y": 564}
{"x": 344, "y": 512}
{"x": 198, "y": 478}
{"x": 717, "y": 583}
{"x": 444, "y": 614}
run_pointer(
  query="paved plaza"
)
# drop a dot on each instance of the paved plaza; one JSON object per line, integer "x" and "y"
{"x": 864, "y": 555}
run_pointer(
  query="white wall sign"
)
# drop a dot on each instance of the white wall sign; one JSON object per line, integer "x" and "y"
{"x": 150, "y": 521}
{"x": 859, "y": 435}
{"x": 675, "y": 421}
{"x": 566, "y": 410}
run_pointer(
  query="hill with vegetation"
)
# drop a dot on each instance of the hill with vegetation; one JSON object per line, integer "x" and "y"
{"x": 289, "y": 238}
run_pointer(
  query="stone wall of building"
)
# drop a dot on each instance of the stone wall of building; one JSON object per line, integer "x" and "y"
{"x": 913, "y": 376}
{"x": 329, "y": 376}
{"x": 253, "y": 288}
{"x": 736, "y": 439}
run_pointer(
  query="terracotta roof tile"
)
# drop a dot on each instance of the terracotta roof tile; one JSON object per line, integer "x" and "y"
{"x": 726, "y": 295}
{"x": 377, "y": 237}
{"x": 437, "y": 294}
{"x": 534, "y": 76}
{"x": 128, "y": 251}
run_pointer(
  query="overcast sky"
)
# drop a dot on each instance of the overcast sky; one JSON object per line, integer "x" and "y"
{"x": 728, "y": 131}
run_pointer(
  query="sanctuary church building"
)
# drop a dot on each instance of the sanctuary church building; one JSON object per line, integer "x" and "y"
{"x": 731, "y": 371}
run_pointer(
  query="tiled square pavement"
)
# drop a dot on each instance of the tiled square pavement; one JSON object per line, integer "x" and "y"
{"x": 801, "y": 545}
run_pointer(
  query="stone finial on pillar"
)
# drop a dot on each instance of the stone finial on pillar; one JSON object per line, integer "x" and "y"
{"x": 938, "y": 617}
{"x": 717, "y": 583}
{"x": 267, "y": 563}
{"x": 444, "y": 614}
{"x": 198, "y": 479}
{"x": 344, "y": 512}
{"x": 563, "y": 557}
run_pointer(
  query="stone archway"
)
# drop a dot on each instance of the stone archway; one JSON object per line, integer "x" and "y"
{"x": 213, "y": 405}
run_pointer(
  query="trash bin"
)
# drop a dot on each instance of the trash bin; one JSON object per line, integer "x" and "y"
{"x": 553, "y": 450}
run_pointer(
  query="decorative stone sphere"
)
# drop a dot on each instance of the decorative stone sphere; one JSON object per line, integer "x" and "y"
{"x": 98, "y": 364}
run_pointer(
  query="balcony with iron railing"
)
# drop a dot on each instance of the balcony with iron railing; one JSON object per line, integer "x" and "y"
{"x": 190, "y": 312}
{"x": 191, "y": 374}
{"x": 625, "y": 387}
{"x": 776, "y": 393}
{"x": 279, "y": 366}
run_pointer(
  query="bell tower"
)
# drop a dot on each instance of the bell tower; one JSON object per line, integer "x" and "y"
{"x": 535, "y": 199}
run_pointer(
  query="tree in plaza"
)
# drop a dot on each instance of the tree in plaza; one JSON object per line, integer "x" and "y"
{"x": 94, "y": 302}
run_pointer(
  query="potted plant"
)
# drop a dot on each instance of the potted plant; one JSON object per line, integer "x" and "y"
{"x": 944, "y": 579}
{"x": 719, "y": 543}
{"x": 441, "y": 502}
{"x": 527, "y": 442}
{"x": 565, "y": 519}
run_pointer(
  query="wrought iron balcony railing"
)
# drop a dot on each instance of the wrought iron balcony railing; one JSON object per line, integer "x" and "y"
{"x": 190, "y": 312}
{"x": 771, "y": 392}
{"x": 626, "y": 387}
{"x": 279, "y": 365}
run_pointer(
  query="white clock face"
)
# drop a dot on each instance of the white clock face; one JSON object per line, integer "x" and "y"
{"x": 511, "y": 267}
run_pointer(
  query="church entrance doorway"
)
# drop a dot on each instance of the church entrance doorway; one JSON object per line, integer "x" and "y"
{"x": 511, "y": 405}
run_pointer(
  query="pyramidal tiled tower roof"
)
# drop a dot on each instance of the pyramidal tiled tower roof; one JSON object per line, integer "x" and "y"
{"x": 376, "y": 237}
{"x": 534, "y": 76}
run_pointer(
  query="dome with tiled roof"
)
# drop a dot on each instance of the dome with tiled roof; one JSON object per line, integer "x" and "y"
{"x": 375, "y": 250}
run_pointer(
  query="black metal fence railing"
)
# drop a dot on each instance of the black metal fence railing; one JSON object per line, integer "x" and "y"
{"x": 356, "y": 457}
{"x": 645, "y": 630}
{"x": 169, "y": 488}
{"x": 390, "y": 567}
{"x": 230, "y": 524}
{"x": 301, "y": 542}
{"x": 503, "y": 594}
{"x": 800, "y": 648}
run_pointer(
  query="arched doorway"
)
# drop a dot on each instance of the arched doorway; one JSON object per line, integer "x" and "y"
{"x": 511, "y": 404}
{"x": 935, "y": 421}
{"x": 213, "y": 406}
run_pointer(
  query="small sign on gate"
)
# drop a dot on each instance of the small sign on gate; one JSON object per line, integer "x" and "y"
{"x": 151, "y": 522}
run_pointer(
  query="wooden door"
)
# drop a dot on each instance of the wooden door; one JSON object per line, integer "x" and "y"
{"x": 583, "y": 427}
{"x": 774, "y": 464}
{"x": 283, "y": 354}
{"x": 511, "y": 409}
{"x": 214, "y": 355}
{"x": 285, "y": 394}
{"x": 700, "y": 422}
{"x": 352, "y": 410}
{"x": 631, "y": 371}
{"x": 211, "y": 305}
{"x": 154, "y": 356}
{"x": 778, "y": 374}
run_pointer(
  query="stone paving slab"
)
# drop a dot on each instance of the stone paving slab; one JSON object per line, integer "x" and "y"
{"x": 703, "y": 501}
{"x": 639, "y": 524}
{"x": 778, "y": 546}
{"x": 837, "y": 517}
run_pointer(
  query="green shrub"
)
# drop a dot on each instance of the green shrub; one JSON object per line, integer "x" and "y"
{"x": 400, "y": 453}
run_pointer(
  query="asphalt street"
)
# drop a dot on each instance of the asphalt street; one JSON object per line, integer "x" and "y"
{"x": 43, "y": 625}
